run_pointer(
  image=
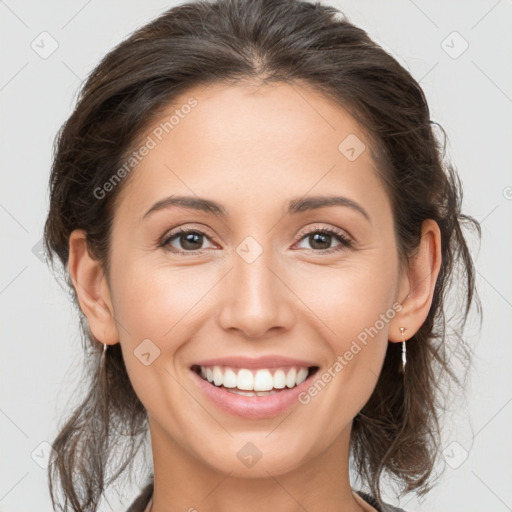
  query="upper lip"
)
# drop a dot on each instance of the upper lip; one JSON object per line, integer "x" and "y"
{"x": 270, "y": 361}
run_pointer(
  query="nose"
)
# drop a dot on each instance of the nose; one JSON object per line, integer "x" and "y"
{"x": 256, "y": 299}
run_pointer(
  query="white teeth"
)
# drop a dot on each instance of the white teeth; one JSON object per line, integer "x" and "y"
{"x": 263, "y": 381}
{"x": 230, "y": 379}
{"x": 245, "y": 380}
{"x": 290, "y": 378}
{"x": 252, "y": 393}
{"x": 302, "y": 375}
{"x": 217, "y": 375}
{"x": 279, "y": 379}
{"x": 244, "y": 393}
{"x": 254, "y": 381}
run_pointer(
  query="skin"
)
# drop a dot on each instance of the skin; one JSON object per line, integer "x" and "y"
{"x": 253, "y": 149}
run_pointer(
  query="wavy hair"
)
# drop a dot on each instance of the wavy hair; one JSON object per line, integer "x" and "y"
{"x": 397, "y": 433}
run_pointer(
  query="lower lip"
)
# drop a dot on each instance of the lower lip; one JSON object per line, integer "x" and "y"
{"x": 252, "y": 407}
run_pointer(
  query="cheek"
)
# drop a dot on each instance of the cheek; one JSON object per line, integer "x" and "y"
{"x": 159, "y": 309}
{"x": 348, "y": 298}
{"x": 154, "y": 309}
{"x": 151, "y": 298}
{"x": 352, "y": 306}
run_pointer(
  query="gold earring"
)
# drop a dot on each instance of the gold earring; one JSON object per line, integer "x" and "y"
{"x": 404, "y": 350}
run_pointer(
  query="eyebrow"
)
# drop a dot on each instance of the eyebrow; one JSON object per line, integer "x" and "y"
{"x": 294, "y": 206}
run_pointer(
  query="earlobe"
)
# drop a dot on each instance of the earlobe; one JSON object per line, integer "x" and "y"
{"x": 92, "y": 289}
{"x": 424, "y": 269}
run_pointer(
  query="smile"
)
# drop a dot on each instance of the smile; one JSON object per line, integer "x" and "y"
{"x": 256, "y": 381}
{"x": 254, "y": 393}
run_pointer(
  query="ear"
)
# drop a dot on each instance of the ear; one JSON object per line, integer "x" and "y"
{"x": 417, "y": 284}
{"x": 92, "y": 289}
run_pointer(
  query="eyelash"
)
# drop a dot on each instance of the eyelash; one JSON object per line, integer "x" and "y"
{"x": 345, "y": 242}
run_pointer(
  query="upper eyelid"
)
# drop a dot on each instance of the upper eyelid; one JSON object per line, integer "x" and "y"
{"x": 304, "y": 232}
{"x": 180, "y": 229}
{"x": 317, "y": 227}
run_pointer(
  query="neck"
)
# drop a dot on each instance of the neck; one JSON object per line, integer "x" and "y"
{"x": 184, "y": 482}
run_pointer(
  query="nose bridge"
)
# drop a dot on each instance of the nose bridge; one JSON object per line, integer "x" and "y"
{"x": 255, "y": 299}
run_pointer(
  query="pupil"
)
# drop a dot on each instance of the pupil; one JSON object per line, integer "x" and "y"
{"x": 189, "y": 239}
{"x": 321, "y": 236}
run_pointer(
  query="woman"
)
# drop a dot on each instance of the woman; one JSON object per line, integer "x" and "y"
{"x": 259, "y": 230}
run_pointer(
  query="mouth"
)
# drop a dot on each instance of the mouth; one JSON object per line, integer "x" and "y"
{"x": 254, "y": 382}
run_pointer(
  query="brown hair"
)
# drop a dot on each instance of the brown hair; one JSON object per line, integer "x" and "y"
{"x": 228, "y": 41}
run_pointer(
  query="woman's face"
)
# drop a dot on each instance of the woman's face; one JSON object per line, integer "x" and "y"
{"x": 262, "y": 279}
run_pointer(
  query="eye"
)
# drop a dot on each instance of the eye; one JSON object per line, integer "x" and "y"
{"x": 321, "y": 239}
{"x": 190, "y": 239}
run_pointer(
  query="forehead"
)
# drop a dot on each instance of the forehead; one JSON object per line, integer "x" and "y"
{"x": 252, "y": 144}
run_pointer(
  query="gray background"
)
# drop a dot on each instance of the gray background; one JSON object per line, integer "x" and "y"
{"x": 470, "y": 94}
